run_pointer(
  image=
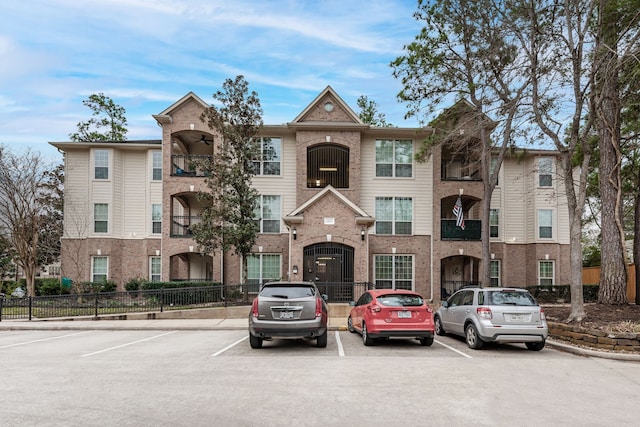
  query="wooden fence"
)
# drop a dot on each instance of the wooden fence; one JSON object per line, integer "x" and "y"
{"x": 591, "y": 276}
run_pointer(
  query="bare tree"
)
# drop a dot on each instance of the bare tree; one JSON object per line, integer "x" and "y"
{"x": 23, "y": 208}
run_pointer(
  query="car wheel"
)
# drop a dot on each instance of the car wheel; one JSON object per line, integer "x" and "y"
{"x": 321, "y": 341}
{"x": 438, "y": 326}
{"x": 255, "y": 342}
{"x": 426, "y": 341}
{"x": 350, "y": 327}
{"x": 365, "y": 336}
{"x": 473, "y": 340}
{"x": 535, "y": 346}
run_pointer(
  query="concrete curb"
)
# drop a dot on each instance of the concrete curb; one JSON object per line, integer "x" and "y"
{"x": 581, "y": 351}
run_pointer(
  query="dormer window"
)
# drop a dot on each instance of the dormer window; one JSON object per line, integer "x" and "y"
{"x": 327, "y": 164}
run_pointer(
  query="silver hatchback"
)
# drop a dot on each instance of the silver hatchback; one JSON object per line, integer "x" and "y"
{"x": 288, "y": 310}
{"x": 505, "y": 315}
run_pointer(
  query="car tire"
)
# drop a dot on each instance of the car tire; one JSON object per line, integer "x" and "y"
{"x": 350, "y": 327}
{"x": 438, "y": 326}
{"x": 535, "y": 346}
{"x": 366, "y": 339}
{"x": 426, "y": 341}
{"x": 473, "y": 339}
{"x": 321, "y": 341}
{"x": 255, "y": 342}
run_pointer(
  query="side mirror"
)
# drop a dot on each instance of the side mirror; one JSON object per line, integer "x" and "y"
{"x": 325, "y": 297}
{"x": 445, "y": 304}
{"x": 352, "y": 303}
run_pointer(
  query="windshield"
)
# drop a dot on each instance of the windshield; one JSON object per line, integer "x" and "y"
{"x": 400, "y": 300}
{"x": 510, "y": 298}
{"x": 288, "y": 291}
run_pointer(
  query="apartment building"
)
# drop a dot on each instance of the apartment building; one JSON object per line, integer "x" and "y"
{"x": 340, "y": 201}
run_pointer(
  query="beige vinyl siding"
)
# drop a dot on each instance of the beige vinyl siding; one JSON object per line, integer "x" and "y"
{"x": 497, "y": 202}
{"x": 419, "y": 188}
{"x": 283, "y": 185}
{"x": 513, "y": 212}
{"x": 101, "y": 191}
{"x": 78, "y": 219}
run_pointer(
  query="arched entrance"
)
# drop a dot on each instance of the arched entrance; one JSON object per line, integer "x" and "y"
{"x": 329, "y": 265}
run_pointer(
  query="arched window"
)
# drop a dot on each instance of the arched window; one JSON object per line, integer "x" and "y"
{"x": 327, "y": 164}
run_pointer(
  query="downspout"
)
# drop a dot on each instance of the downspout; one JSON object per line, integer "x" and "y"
{"x": 431, "y": 266}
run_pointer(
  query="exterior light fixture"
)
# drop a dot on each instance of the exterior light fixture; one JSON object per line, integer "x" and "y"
{"x": 295, "y": 233}
{"x": 362, "y": 233}
{"x": 295, "y": 269}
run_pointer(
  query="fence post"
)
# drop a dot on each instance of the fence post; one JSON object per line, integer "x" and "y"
{"x": 30, "y": 307}
{"x": 96, "y": 305}
{"x": 1, "y": 301}
{"x": 161, "y": 299}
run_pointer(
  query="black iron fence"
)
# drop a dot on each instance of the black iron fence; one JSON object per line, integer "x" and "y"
{"x": 151, "y": 300}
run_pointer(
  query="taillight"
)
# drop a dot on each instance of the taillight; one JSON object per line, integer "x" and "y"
{"x": 542, "y": 315}
{"x": 484, "y": 312}
{"x": 254, "y": 308}
{"x": 318, "y": 307}
{"x": 429, "y": 309}
{"x": 375, "y": 308}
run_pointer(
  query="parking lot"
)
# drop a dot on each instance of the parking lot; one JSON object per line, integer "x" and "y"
{"x": 182, "y": 377}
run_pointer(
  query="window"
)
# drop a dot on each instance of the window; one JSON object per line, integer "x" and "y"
{"x": 268, "y": 161}
{"x": 99, "y": 268}
{"x": 262, "y": 268}
{"x": 327, "y": 164}
{"x": 545, "y": 169}
{"x": 494, "y": 272}
{"x": 545, "y": 273}
{"x": 101, "y": 218}
{"x": 155, "y": 269}
{"x": 394, "y": 271}
{"x": 394, "y": 158}
{"x": 492, "y": 168}
{"x": 268, "y": 214}
{"x": 545, "y": 223}
{"x": 494, "y": 223}
{"x": 156, "y": 219}
{"x": 101, "y": 159}
{"x": 157, "y": 165}
{"x": 394, "y": 215}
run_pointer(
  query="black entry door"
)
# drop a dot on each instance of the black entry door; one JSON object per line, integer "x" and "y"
{"x": 328, "y": 262}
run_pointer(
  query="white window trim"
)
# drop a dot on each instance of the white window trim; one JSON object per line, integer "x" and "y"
{"x": 109, "y": 165}
{"x": 553, "y": 272}
{"x": 393, "y": 164}
{"x": 151, "y": 258}
{"x": 93, "y": 273}
{"x": 153, "y": 168}
{"x": 539, "y": 174}
{"x": 393, "y": 280}
{"x": 538, "y": 225}
{"x": 499, "y": 276}
{"x": 261, "y": 219}
{"x": 393, "y": 213}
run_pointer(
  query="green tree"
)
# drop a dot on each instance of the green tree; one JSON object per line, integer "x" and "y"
{"x": 107, "y": 124}
{"x": 228, "y": 219}
{"x": 369, "y": 112}
{"x": 52, "y": 199}
{"x": 465, "y": 52}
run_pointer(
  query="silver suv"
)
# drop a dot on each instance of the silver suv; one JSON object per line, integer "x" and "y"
{"x": 288, "y": 310}
{"x": 493, "y": 315}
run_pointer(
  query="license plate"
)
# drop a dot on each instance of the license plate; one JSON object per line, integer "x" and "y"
{"x": 516, "y": 317}
{"x": 286, "y": 314}
{"x": 404, "y": 315}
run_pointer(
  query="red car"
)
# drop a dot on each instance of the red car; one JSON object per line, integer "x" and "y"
{"x": 387, "y": 313}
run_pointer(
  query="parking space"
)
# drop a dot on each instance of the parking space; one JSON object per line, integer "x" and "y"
{"x": 194, "y": 345}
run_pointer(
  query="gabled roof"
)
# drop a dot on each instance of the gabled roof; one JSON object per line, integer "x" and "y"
{"x": 361, "y": 216}
{"x": 328, "y": 94}
{"x": 165, "y": 116}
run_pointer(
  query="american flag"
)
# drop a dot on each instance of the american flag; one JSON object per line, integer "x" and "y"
{"x": 457, "y": 211}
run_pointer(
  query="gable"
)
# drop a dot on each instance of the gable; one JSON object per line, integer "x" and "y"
{"x": 328, "y": 107}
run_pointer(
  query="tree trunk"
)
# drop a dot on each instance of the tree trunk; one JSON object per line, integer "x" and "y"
{"x": 636, "y": 239}
{"x": 613, "y": 276}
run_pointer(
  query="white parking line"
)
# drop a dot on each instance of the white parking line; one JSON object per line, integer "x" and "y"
{"x": 340, "y": 348}
{"x": 217, "y": 353}
{"x": 125, "y": 345}
{"x": 453, "y": 349}
{"x": 44, "y": 339}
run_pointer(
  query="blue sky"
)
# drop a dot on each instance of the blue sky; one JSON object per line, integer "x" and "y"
{"x": 147, "y": 54}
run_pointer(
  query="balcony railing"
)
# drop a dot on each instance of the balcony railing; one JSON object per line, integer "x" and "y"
{"x": 459, "y": 171}
{"x": 450, "y": 231}
{"x": 188, "y": 165}
{"x": 181, "y": 225}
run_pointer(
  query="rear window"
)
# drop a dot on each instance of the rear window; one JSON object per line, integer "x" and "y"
{"x": 288, "y": 291}
{"x": 510, "y": 298}
{"x": 400, "y": 300}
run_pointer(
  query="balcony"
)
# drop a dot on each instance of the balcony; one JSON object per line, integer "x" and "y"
{"x": 450, "y": 231}
{"x": 181, "y": 225}
{"x": 189, "y": 164}
{"x": 452, "y": 170}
